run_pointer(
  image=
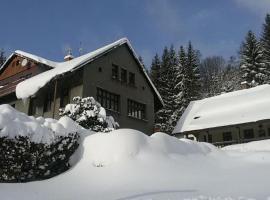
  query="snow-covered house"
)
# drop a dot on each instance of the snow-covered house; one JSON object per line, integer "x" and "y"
{"x": 112, "y": 74}
{"x": 234, "y": 117}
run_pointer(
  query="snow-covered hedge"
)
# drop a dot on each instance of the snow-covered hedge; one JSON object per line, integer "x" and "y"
{"x": 34, "y": 149}
{"x": 88, "y": 113}
{"x": 23, "y": 160}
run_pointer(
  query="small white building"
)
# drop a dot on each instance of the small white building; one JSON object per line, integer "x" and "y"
{"x": 234, "y": 117}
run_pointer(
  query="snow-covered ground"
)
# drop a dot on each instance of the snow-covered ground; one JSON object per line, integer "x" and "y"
{"x": 126, "y": 164}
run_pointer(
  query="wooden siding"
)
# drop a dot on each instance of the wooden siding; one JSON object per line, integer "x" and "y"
{"x": 14, "y": 73}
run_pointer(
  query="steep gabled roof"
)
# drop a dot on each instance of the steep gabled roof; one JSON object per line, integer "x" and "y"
{"x": 36, "y": 58}
{"x": 30, "y": 86}
{"x": 239, "y": 107}
{"x": 29, "y": 56}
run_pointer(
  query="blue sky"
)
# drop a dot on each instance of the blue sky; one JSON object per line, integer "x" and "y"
{"x": 47, "y": 28}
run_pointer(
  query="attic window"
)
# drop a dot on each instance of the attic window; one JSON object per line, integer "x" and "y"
{"x": 131, "y": 78}
{"x": 17, "y": 62}
{"x": 197, "y": 117}
{"x": 115, "y": 72}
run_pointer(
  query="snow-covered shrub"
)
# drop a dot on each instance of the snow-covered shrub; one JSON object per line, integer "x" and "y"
{"x": 23, "y": 160}
{"x": 34, "y": 149}
{"x": 88, "y": 113}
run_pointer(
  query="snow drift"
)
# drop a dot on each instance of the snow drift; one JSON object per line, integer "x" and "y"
{"x": 125, "y": 144}
{"x": 256, "y": 146}
{"x": 126, "y": 164}
{"x": 39, "y": 130}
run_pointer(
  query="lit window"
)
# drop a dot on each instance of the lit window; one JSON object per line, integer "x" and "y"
{"x": 135, "y": 109}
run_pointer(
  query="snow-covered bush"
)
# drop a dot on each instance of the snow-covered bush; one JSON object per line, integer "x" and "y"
{"x": 23, "y": 160}
{"x": 88, "y": 113}
{"x": 34, "y": 149}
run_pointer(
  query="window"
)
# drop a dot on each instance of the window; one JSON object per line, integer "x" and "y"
{"x": 248, "y": 133}
{"x": 48, "y": 102}
{"x": 17, "y": 62}
{"x": 131, "y": 78}
{"x": 268, "y": 131}
{"x": 137, "y": 110}
{"x": 227, "y": 136}
{"x": 210, "y": 138}
{"x": 204, "y": 138}
{"x": 123, "y": 75}
{"x": 99, "y": 69}
{"x": 261, "y": 132}
{"x": 64, "y": 100}
{"x": 108, "y": 100}
{"x": 115, "y": 70}
{"x": 32, "y": 106}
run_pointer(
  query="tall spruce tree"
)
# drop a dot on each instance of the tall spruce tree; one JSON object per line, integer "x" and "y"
{"x": 169, "y": 71}
{"x": 155, "y": 71}
{"x": 192, "y": 73}
{"x": 265, "y": 43}
{"x": 252, "y": 62}
{"x": 2, "y": 57}
{"x": 180, "y": 97}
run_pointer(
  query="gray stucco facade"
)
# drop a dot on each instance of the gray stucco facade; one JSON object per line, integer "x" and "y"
{"x": 94, "y": 76}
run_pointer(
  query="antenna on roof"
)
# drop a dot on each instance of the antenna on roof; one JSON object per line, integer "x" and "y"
{"x": 80, "y": 49}
{"x": 69, "y": 55}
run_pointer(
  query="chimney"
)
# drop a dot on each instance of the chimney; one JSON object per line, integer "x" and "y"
{"x": 69, "y": 55}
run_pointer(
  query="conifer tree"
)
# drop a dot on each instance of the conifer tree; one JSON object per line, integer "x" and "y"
{"x": 192, "y": 74}
{"x": 169, "y": 71}
{"x": 265, "y": 43}
{"x": 179, "y": 89}
{"x": 155, "y": 71}
{"x": 252, "y": 62}
{"x": 2, "y": 57}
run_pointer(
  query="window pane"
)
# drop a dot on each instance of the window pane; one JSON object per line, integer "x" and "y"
{"x": 248, "y": 133}
{"x": 123, "y": 75}
{"x": 227, "y": 136}
{"x": 114, "y": 71}
{"x": 131, "y": 78}
{"x": 136, "y": 109}
{"x": 108, "y": 100}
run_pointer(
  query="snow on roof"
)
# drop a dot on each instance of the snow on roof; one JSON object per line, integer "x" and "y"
{"x": 30, "y": 56}
{"x": 30, "y": 86}
{"x": 243, "y": 106}
{"x": 36, "y": 58}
